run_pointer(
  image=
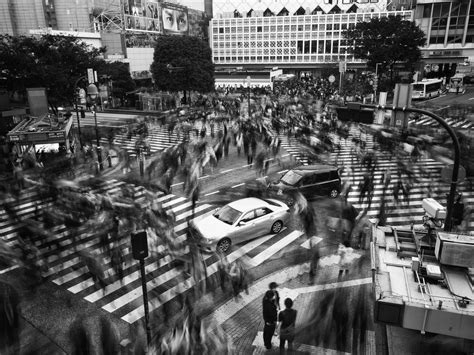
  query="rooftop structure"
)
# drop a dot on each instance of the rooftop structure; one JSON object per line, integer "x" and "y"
{"x": 44, "y": 130}
{"x": 424, "y": 281}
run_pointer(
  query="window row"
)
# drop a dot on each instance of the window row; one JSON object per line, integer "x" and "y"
{"x": 339, "y": 17}
{"x": 273, "y": 36}
{"x": 285, "y": 28}
{"x": 273, "y": 44}
{"x": 291, "y": 58}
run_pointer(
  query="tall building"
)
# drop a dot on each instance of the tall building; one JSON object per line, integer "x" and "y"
{"x": 127, "y": 28}
{"x": 449, "y": 28}
{"x": 301, "y": 36}
{"x": 18, "y": 17}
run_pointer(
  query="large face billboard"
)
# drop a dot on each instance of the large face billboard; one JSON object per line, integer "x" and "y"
{"x": 153, "y": 16}
{"x": 142, "y": 15}
{"x": 174, "y": 19}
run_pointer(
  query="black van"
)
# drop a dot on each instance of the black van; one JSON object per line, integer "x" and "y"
{"x": 310, "y": 180}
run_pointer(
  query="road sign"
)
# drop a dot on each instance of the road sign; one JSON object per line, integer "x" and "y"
{"x": 447, "y": 173}
{"x": 402, "y": 98}
{"x": 332, "y": 78}
{"x": 90, "y": 75}
{"x": 342, "y": 67}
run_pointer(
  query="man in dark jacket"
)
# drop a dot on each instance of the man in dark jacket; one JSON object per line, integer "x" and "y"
{"x": 269, "y": 317}
{"x": 287, "y": 328}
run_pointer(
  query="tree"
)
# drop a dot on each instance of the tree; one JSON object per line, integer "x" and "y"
{"x": 183, "y": 63}
{"x": 122, "y": 81}
{"x": 386, "y": 40}
{"x": 53, "y": 62}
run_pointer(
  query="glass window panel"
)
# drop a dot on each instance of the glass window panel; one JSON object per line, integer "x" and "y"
{"x": 427, "y": 10}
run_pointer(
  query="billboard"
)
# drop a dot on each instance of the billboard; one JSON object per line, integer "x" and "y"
{"x": 155, "y": 16}
{"x": 142, "y": 15}
{"x": 174, "y": 19}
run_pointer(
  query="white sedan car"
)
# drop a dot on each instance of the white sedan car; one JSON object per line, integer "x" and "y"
{"x": 240, "y": 221}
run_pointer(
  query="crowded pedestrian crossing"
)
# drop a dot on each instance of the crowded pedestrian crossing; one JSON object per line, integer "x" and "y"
{"x": 405, "y": 212}
{"x": 458, "y": 123}
{"x": 158, "y": 138}
{"x": 165, "y": 277}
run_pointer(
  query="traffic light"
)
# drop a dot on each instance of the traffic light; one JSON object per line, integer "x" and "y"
{"x": 375, "y": 82}
{"x": 458, "y": 213}
{"x": 139, "y": 245}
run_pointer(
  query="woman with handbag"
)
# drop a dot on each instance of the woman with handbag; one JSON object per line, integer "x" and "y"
{"x": 287, "y": 318}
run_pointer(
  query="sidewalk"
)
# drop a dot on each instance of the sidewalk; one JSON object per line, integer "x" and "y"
{"x": 242, "y": 319}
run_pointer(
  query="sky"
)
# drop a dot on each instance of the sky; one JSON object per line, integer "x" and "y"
{"x": 193, "y": 4}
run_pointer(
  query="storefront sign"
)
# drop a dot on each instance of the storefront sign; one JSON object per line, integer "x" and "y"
{"x": 55, "y": 135}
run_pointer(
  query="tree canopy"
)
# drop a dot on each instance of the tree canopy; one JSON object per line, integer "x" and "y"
{"x": 53, "y": 62}
{"x": 183, "y": 63}
{"x": 119, "y": 73}
{"x": 386, "y": 40}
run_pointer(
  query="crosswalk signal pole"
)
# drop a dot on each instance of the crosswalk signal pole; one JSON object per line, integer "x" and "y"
{"x": 140, "y": 252}
{"x": 141, "y": 162}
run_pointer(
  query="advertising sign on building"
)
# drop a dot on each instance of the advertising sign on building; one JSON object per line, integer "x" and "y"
{"x": 37, "y": 101}
{"x": 141, "y": 15}
{"x": 156, "y": 17}
{"x": 174, "y": 19}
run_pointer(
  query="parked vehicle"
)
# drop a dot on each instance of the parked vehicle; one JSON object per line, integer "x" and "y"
{"x": 427, "y": 89}
{"x": 310, "y": 180}
{"x": 239, "y": 221}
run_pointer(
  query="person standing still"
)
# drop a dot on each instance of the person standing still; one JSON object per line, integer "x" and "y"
{"x": 269, "y": 317}
{"x": 273, "y": 287}
{"x": 287, "y": 318}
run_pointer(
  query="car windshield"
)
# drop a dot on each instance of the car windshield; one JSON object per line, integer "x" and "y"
{"x": 291, "y": 178}
{"x": 227, "y": 215}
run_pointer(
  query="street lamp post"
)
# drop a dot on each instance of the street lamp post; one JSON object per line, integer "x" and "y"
{"x": 93, "y": 92}
{"x": 376, "y": 80}
{"x": 77, "y": 111}
{"x": 248, "y": 96}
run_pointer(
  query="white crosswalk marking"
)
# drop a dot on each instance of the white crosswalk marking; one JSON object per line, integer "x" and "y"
{"x": 123, "y": 298}
{"x": 158, "y": 138}
{"x": 401, "y": 214}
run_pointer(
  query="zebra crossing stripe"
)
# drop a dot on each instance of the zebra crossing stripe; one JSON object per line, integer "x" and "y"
{"x": 181, "y": 287}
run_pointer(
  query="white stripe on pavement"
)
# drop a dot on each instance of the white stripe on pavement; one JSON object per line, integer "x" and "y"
{"x": 274, "y": 248}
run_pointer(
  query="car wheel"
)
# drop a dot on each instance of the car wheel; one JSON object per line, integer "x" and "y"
{"x": 334, "y": 193}
{"x": 223, "y": 245}
{"x": 276, "y": 227}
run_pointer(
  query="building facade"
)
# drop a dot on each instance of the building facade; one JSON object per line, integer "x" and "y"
{"x": 303, "y": 35}
{"x": 449, "y": 28}
{"x": 301, "y": 42}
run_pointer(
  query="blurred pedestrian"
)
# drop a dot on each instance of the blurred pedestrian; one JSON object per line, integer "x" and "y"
{"x": 110, "y": 336}
{"x": 79, "y": 337}
{"x": 117, "y": 261}
{"x": 270, "y": 313}
{"x": 9, "y": 319}
{"x": 235, "y": 277}
{"x": 343, "y": 251}
{"x": 287, "y": 317}
{"x": 227, "y": 140}
{"x": 315, "y": 255}
{"x": 239, "y": 142}
{"x": 223, "y": 271}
